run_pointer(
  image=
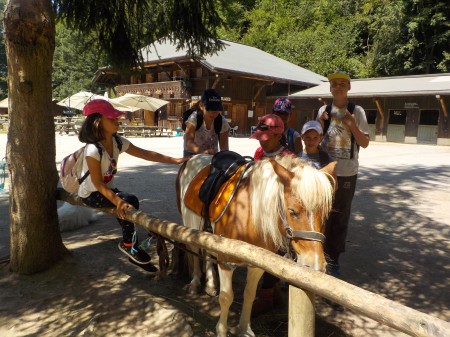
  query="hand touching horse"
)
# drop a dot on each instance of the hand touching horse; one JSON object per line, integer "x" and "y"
{"x": 278, "y": 202}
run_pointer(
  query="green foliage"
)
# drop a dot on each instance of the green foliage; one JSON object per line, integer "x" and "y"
{"x": 122, "y": 28}
{"x": 75, "y": 61}
{"x": 367, "y": 38}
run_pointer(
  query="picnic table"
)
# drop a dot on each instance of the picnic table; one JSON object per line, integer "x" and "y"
{"x": 143, "y": 131}
{"x": 4, "y": 123}
{"x": 65, "y": 124}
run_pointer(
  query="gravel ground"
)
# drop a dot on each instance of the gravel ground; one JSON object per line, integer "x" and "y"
{"x": 398, "y": 247}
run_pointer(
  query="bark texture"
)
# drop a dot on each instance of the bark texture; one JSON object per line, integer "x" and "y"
{"x": 36, "y": 242}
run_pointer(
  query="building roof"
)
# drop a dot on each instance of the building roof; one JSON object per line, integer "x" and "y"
{"x": 416, "y": 85}
{"x": 241, "y": 59}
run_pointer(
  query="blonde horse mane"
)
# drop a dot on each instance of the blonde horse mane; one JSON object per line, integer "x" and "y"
{"x": 311, "y": 186}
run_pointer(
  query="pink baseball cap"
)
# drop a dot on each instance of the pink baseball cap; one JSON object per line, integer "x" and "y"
{"x": 268, "y": 126}
{"x": 102, "y": 107}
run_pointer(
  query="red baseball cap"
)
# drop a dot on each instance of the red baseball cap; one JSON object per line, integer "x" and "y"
{"x": 102, "y": 107}
{"x": 268, "y": 126}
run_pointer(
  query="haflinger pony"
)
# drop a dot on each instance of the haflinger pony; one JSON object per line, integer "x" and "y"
{"x": 276, "y": 203}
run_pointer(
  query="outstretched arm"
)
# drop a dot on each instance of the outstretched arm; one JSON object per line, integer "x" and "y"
{"x": 153, "y": 156}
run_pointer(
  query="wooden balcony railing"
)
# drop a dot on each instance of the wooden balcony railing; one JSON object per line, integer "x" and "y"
{"x": 163, "y": 90}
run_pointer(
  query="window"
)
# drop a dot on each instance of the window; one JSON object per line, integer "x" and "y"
{"x": 371, "y": 116}
{"x": 429, "y": 117}
{"x": 397, "y": 117}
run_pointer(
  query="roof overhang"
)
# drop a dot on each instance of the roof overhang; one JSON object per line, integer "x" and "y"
{"x": 401, "y": 86}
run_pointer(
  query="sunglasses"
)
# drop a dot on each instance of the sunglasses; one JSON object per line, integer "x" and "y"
{"x": 264, "y": 127}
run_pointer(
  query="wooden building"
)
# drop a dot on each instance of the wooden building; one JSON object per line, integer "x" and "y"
{"x": 405, "y": 109}
{"x": 246, "y": 77}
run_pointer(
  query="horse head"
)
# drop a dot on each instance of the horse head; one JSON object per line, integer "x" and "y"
{"x": 304, "y": 207}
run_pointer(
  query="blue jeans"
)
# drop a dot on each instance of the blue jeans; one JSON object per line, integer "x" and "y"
{"x": 98, "y": 200}
{"x": 337, "y": 225}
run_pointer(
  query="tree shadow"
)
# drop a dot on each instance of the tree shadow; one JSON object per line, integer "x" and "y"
{"x": 397, "y": 247}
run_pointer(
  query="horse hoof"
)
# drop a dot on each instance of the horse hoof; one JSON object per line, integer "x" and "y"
{"x": 210, "y": 291}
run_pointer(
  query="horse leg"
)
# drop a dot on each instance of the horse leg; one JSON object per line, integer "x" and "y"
{"x": 226, "y": 296}
{"x": 253, "y": 276}
{"x": 210, "y": 276}
{"x": 195, "y": 285}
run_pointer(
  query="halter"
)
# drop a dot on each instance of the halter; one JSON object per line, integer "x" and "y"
{"x": 304, "y": 235}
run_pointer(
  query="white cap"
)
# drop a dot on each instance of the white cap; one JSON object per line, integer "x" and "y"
{"x": 312, "y": 125}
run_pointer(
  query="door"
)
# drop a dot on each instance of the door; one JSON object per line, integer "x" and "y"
{"x": 396, "y": 126}
{"x": 239, "y": 115}
{"x": 428, "y": 127}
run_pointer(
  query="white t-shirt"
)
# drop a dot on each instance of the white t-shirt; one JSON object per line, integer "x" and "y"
{"x": 337, "y": 142}
{"x": 204, "y": 138}
{"x": 108, "y": 165}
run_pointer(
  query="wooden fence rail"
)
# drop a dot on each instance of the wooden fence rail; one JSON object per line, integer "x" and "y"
{"x": 376, "y": 307}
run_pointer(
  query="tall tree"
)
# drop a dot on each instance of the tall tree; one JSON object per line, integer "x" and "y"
{"x": 3, "y": 68}
{"x": 121, "y": 28}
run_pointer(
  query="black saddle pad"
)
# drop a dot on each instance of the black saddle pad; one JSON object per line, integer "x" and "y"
{"x": 223, "y": 165}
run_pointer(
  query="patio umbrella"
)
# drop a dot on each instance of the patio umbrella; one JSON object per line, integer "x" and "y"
{"x": 140, "y": 101}
{"x": 80, "y": 99}
{"x": 4, "y": 103}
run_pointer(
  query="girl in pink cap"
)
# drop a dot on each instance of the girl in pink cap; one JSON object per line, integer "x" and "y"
{"x": 101, "y": 155}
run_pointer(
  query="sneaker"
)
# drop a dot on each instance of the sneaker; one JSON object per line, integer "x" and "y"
{"x": 135, "y": 253}
{"x": 148, "y": 267}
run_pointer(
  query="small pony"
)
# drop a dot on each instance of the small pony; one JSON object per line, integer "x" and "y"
{"x": 276, "y": 203}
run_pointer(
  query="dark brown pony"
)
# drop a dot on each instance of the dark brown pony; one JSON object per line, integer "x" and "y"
{"x": 279, "y": 202}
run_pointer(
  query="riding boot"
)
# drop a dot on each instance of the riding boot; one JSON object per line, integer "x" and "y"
{"x": 263, "y": 303}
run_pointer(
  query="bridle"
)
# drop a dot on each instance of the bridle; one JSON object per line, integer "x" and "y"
{"x": 303, "y": 235}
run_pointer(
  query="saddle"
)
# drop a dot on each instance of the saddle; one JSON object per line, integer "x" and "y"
{"x": 211, "y": 188}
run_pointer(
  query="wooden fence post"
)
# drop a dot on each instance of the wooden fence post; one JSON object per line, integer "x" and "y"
{"x": 301, "y": 313}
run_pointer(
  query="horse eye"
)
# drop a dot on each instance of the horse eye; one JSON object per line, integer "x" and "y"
{"x": 293, "y": 213}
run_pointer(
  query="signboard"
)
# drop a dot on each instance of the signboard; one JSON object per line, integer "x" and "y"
{"x": 411, "y": 105}
{"x": 198, "y": 98}
{"x": 250, "y": 113}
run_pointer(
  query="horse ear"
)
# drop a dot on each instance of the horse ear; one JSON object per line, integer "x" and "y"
{"x": 285, "y": 175}
{"x": 330, "y": 171}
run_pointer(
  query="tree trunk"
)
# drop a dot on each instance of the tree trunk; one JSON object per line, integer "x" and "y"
{"x": 36, "y": 242}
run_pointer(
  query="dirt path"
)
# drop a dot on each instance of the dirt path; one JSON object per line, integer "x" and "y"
{"x": 398, "y": 247}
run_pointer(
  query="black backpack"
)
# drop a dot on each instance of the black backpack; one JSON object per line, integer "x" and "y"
{"x": 187, "y": 113}
{"x": 326, "y": 123}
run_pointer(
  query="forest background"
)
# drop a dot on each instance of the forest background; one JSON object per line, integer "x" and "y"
{"x": 366, "y": 38}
